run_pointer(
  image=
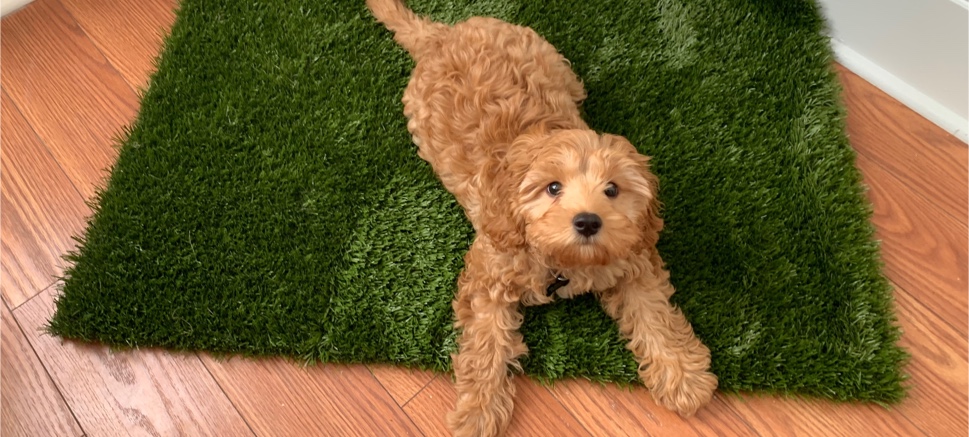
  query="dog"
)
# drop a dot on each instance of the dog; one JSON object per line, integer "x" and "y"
{"x": 558, "y": 210}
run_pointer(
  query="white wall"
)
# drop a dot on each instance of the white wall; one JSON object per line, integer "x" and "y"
{"x": 915, "y": 50}
{"x": 8, "y": 6}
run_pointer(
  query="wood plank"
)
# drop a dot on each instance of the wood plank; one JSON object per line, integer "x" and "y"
{"x": 939, "y": 386}
{"x": 776, "y": 416}
{"x": 401, "y": 383}
{"x": 923, "y": 248}
{"x": 41, "y": 210}
{"x": 32, "y": 406}
{"x": 128, "y": 32}
{"x": 920, "y": 154}
{"x": 611, "y": 410}
{"x": 119, "y": 393}
{"x": 537, "y": 412}
{"x": 75, "y": 100}
{"x": 278, "y": 397}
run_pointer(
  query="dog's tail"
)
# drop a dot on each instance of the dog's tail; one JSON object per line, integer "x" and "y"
{"x": 410, "y": 31}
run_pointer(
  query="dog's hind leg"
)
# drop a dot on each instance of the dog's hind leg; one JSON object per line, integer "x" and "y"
{"x": 673, "y": 363}
{"x": 489, "y": 348}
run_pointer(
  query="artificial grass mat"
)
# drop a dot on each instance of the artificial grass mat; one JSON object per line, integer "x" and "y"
{"x": 268, "y": 199}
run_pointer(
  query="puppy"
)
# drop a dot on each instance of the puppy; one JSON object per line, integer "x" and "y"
{"x": 558, "y": 209}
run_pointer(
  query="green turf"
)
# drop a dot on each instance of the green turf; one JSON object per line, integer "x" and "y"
{"x": 268, "y": 199}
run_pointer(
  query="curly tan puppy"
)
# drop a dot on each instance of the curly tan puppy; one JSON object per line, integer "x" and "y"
{"x": 558, "y": 210}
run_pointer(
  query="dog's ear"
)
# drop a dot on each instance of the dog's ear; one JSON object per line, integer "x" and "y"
{"x": 650, "y": 220}
{"x": 500, "y": 180}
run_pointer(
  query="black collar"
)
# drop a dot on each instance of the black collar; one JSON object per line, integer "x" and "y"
{"x": 559, "y": 282}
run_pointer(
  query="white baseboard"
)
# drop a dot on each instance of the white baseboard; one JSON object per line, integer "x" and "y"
{"x": 8, "y": 6}
{"x": 915, "y": 50}
{"x": 901, "y": 91}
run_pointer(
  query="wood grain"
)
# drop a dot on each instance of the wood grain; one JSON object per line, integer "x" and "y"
{"x": 149, "y": 392}
{"x": 922, "y": 156}
{"x": 939, "y": 387}
{"x": 537, "y": 412}
{"x": 279, "y": 398}
{"x": 31, "y": 404}
{"x": 75, "y": 100}
{"x": 41, "y": 210}
{"x": 128, "y": 32}
{"x": 776, "y": 416}
{"x": 923, "y": 248}
{"x": 611, "y": 410}
{"x": 401, "y": 383}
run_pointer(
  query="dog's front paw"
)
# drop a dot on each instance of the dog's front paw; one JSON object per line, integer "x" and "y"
{"x": 683, "y": 382}
{"x": 477, "y": 417}
{"x": 681, "y": 391}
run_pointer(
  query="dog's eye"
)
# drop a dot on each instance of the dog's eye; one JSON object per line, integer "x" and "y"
{"x": 554, "y": 189}
{"x": 611, "y": 190}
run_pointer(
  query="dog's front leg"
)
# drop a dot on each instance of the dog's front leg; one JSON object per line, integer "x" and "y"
{"x": 673, "y": 364}
{"x": 489, "y": 347}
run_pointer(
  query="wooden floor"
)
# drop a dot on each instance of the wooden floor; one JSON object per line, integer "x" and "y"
{"x": 70, "y": 77}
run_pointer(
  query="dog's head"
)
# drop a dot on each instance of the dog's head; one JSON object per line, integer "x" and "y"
{"x": 574, "y": 196}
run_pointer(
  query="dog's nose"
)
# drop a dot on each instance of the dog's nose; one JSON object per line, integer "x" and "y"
{"x": 587, "y": 223}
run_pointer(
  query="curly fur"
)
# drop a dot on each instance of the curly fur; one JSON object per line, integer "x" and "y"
{"x": 494, "y": 109}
